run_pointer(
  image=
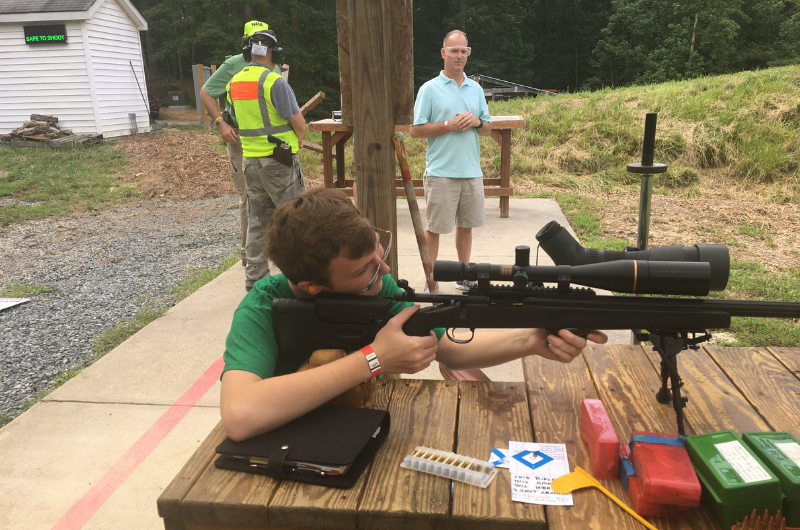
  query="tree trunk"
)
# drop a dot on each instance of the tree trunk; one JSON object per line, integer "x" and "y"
{"x": 694, "y": 30}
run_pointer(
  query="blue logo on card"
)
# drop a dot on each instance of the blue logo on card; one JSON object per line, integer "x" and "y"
{"x": 545, "y": 459}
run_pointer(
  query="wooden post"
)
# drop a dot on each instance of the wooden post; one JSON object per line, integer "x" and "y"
{"x": 221, "y": 99}
{"x": 345, "y": 79}
{"x": 505, "y": 170}
{"x": 201, "y": 77}
{"x": 403, "y": 61}
{"x": 373, "y": 117}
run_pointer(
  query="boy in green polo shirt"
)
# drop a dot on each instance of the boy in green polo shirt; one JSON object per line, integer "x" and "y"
{"x": 322, "y": 243}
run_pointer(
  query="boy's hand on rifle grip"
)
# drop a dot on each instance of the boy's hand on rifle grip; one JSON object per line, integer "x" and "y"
{"x": 564, "y": 346}
{"x": 399, "y": 353}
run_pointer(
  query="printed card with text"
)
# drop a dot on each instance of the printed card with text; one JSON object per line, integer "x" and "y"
{"x": 533, "y": 468}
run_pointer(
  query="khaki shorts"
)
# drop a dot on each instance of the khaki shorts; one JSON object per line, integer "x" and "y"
{"x": 449, "y": 199}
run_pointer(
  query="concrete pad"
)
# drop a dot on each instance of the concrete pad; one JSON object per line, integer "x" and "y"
{"x": 157, "y": 364}
{"x": 55, "y": 452}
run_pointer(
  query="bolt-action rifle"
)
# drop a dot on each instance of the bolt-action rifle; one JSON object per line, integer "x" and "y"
{"x": 672, "y": 324}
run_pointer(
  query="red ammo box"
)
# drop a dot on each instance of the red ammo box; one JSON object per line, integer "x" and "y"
{"x": 652, "y": 509}
{"x": 664, "y": 472}
{"x": 598, "y": 433}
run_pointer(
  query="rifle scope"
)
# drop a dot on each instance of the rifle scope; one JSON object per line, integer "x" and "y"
{"x": 625, "y": 276}
{"x": 565, "y": 250}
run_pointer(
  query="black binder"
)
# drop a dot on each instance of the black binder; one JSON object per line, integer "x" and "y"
{"x": 329, "y": 446}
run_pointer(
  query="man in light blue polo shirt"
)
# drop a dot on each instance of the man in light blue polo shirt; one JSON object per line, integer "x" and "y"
{"x": 451, "y": 112}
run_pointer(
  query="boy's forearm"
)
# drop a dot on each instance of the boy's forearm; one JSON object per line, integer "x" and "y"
{"x": 487, "y": 348}
{"x": 250, "y": 405}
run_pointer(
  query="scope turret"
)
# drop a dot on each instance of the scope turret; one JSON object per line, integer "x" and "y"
{"x": 565, "y": 250}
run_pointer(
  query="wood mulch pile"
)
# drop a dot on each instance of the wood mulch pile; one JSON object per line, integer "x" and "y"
{"x": 177, "y": 165}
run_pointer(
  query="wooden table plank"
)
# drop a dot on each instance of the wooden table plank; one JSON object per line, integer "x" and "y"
{"x": 772, "y": 390}
{"x": 295, "y": 503}
{"x": 491, "y": 415}
{"x": 228, "y": 498}
{"x": 627, "y": 383}
{"x": 169, "y": 502}
{"x": 789, "y": 357}
{"x": 714, "y": 402}
{"x": 422, "y": 413}
{"x": 555, "y": 393}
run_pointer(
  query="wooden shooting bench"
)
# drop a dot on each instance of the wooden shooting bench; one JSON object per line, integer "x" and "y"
{"x": 745, "y": 389}
{"x": 335, "y": 134}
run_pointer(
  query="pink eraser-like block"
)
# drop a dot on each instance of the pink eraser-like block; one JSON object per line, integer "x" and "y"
{"x": 598, "y": 433}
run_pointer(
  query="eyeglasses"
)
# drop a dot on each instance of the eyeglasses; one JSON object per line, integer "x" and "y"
{"x": 453, "y": 50}
{"x": 386, "y": 251}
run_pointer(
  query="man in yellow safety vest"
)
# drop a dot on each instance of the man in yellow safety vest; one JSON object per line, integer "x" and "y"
{"x": 217, "y": 87}
{"x": 271, "y": 128}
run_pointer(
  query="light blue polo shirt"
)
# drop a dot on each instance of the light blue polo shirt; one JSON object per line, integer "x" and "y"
{"x": 454, "y": 154}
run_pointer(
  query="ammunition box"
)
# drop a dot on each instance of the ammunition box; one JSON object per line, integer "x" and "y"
{"x": 735, "y": 481}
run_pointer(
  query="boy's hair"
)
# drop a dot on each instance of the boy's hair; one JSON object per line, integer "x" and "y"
{"x": 305, "y": 234}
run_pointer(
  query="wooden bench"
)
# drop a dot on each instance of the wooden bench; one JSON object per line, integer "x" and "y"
{"x": 744, "y": 389}
{"x": 334, "y": 136}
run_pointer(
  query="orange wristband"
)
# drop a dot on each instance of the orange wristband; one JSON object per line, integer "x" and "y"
{"x": 372, "y": 359}
{"x": 446, "y": 127}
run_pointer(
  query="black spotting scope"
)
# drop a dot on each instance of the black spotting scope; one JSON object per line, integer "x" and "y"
{"x": 628, "y": 276}
{"x": 565, "y": 250}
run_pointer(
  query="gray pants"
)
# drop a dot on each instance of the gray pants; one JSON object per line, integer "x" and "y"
{"x": 269, "y": 184}
{"x": 237, "y": 175}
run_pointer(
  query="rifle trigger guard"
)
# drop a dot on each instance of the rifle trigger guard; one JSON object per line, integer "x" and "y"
{"x": 459, "y": 341}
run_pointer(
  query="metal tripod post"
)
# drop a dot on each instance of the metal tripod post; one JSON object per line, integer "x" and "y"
{"x": 646, "y": 169}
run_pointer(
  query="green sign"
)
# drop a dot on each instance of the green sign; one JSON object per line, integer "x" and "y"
{"x": 55, "y": 33}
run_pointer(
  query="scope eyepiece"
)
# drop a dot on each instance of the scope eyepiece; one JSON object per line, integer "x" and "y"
{"x": 565, "y": 250}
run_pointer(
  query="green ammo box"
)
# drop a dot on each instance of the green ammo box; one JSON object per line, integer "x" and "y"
{"x": 735, "y": 482}
{"x": 780, "y": 451}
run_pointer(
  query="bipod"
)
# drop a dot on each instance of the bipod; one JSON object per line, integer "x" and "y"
{"x": 669, "y": 344}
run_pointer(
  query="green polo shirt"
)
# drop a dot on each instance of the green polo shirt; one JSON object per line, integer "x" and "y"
{"x": 251, "y": 344}
{"x": 454, "y": 154}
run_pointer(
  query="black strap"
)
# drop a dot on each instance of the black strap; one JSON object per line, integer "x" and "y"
{"x": 276, "y": 459}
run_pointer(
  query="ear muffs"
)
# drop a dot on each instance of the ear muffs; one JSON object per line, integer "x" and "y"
{"x": 277, "y": 55}
{"x": 246, "y": 47}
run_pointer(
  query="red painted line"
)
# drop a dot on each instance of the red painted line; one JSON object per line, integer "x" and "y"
{"x": 83, "y": 510}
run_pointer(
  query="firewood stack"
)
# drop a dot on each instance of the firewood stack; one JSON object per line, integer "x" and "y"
{"x": 39, "y": 128}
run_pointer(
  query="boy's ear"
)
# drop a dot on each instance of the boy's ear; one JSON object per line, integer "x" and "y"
{"x": 309, "y": 287}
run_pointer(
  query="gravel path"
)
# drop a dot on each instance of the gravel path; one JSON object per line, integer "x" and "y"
{"x": 104, "y": 268}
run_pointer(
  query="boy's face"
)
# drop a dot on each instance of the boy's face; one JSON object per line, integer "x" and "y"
{"x": 354, "y": 276}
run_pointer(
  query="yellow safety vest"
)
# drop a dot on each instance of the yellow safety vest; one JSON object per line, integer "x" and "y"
{"x": 249, "y": 93}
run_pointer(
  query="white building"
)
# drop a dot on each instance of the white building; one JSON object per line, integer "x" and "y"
{"x": 78, "y": 60}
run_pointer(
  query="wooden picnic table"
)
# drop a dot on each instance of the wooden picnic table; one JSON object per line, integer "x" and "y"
{"x": 745, "y": 389}
{"x": 334, "y": 135}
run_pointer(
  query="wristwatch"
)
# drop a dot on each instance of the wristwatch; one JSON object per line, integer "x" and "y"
{"x": 480, "y": 124}
{"x": 219, "y": 120}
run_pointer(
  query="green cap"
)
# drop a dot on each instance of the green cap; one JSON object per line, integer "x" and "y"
{"x": 253, "y": 26}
